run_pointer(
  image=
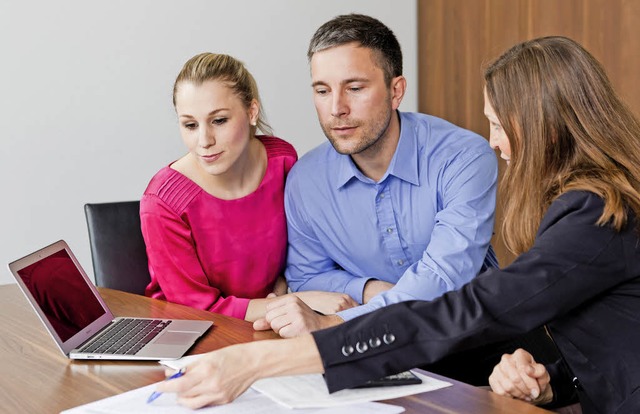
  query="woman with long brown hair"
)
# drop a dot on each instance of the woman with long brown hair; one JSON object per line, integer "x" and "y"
{"x": 572, "y": 197}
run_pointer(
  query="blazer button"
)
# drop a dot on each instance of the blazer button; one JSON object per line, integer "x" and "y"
{"x": 347, "y": 350}
{"x": 388, "y": 338}
{"x": 362, "y": 347}
{"x": 375, "y": 342}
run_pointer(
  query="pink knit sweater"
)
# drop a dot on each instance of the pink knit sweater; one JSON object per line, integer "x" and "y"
{"x": 216, "y": 254}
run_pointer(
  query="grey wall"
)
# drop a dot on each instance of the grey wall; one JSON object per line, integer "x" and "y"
{"x": 85, "y": 95}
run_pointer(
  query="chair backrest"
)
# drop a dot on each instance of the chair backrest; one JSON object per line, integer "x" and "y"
{"x": 117, "y": 248}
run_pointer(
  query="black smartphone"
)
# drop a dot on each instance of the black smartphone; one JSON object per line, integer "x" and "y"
{"x": 402, "y": 378}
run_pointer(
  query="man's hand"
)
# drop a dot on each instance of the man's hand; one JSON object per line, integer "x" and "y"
{"x": 374, "y": 287}
{"x": 519, "y": 376}
{"x": 289, "y": 316}
{"x": 327, "y": 302}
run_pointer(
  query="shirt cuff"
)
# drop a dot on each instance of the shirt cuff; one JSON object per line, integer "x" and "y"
{"x": 355, "y": 288}
{"x": 352, "y": 313}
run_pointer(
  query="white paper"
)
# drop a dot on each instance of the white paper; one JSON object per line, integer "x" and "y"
{"x": 310, "y": 391}
{"x": 180, "y": 362}
{"x": 251, "y": 401}
{"x": 307, "y": 391}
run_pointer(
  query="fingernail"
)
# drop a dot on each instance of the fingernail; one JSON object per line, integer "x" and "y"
{"x": 534, "y": 394}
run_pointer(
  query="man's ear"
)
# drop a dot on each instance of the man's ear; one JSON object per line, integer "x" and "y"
{"x": 398, "y": 88}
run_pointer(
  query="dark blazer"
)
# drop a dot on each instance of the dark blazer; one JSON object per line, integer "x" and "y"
{"x": 580, "y": 279}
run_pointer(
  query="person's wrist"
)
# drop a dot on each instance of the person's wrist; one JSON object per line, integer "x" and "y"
{"x": 330, "y": 320}
{"x": 264, "y": 359}
{"x": 367, "y": 291}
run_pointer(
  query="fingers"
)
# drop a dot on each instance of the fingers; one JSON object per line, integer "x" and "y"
{"x": 511, "y": 377}
{"x": 209, "y": 390}
{"x": 283, "y": 301}
{"x": 292, "y": 317}
{"x": 288, "y": 324}
{"x": 291, "y": 330}
{"x": 216, "y": 378}
{"x": 261, "y": 325}
{"x": 539, "y": 372}
{"x": 496, "y": 385}
{"x": 271, "y": 295}
{"x": 178, "y": 385}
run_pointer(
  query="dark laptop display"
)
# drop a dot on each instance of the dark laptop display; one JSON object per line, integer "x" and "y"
{"x": 62, "y": 294}
{"x": 79, "y": 320}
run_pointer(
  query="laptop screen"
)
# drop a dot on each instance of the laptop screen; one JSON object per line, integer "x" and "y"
{"x": 62, "y": 293}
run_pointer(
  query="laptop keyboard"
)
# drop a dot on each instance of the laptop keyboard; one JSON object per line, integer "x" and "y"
{"x": 126, "y": 337}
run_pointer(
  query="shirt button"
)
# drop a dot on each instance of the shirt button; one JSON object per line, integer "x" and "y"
{"x": 389, "y": 230}
{"x": 381, "y": 195}
{"x": 347, "y": 350}
{"x": 389, "y": 338}
{"x": 400, "y": 262}
{"x": 362, "y": 347}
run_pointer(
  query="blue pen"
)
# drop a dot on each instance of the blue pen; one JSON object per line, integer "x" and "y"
{"x": 156, "y": 394}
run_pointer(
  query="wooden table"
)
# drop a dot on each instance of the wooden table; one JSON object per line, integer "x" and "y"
{"x": 36, "y": 378}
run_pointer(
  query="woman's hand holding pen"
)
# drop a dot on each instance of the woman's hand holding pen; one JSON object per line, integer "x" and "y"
{"x": 221, "y": 376}
{"x": 218, "y": 377}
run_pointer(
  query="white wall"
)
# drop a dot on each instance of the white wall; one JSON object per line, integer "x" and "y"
{"x": 85, "y": 95}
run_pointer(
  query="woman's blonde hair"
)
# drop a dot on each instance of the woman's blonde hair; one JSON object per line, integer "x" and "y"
{"x": 212, "y": 66}
{"x": 568, "y": 130}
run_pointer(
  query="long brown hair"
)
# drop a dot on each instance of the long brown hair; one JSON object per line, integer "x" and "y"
{"x": 568, "y": 130}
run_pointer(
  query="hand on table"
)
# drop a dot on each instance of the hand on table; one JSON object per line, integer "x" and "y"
{"x": 289, "y": 316}
{"x": 326, "y": 302}
{"x": 519, "y": 376}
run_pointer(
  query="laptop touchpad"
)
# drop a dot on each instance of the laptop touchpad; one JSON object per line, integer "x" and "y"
{"x": 176, "y": 338}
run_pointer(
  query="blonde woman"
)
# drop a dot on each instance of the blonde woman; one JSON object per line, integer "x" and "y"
{"x": 213, "y": 221}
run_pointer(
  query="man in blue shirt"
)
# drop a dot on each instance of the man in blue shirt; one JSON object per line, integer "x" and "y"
{"x": 396, "y": 206}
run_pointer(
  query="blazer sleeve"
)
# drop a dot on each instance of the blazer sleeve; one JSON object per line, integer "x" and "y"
{"x": 572, "y": 261}
{"x": 564, "y": 392}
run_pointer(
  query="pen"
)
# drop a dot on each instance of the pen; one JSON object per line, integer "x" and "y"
{"x": 156, "y": 394}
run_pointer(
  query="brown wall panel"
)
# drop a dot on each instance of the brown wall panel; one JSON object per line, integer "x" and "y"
{"x": 458, "y": 37}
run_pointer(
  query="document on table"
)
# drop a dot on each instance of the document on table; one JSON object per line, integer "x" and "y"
{"x": 250, "y": 402}
{"x": 310, "y": 391}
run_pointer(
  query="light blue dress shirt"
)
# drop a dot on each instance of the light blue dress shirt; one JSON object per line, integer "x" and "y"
{"x": 425, "y": 226}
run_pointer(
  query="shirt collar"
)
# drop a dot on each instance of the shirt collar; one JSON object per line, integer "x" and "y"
{"x": 404, "y": 163}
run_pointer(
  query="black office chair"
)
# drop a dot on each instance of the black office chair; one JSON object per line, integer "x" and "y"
{"x": 117, "y": 248}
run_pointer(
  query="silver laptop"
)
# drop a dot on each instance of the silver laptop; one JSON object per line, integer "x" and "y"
{"x": 79, "y": 320}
